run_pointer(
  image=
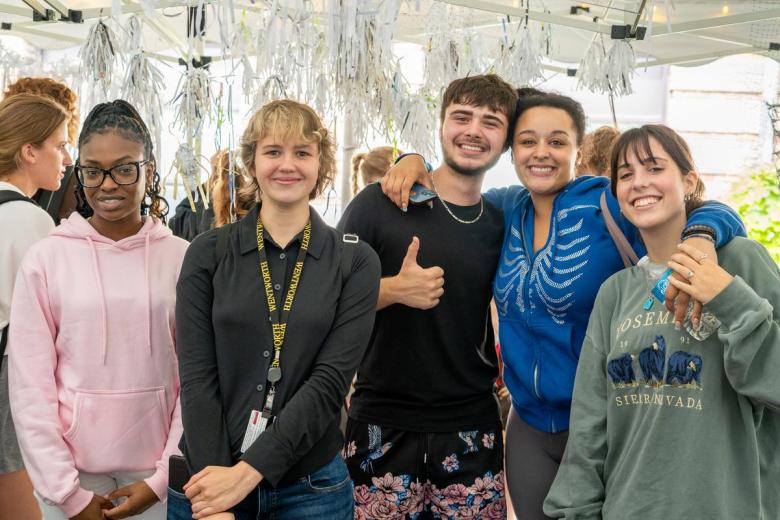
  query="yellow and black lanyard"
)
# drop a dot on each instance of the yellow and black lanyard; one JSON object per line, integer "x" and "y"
{"x": 278, "y": 316}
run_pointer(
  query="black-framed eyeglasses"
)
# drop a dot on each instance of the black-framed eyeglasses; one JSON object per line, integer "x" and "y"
{"x": 122, "y": 174}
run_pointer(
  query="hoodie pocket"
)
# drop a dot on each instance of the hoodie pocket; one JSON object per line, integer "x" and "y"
{"x": 118, "y": 430}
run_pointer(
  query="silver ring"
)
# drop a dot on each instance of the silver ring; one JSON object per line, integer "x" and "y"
{"x": 689, "y": 275}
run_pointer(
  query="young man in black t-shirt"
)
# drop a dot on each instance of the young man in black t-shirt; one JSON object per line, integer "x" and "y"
{"x": 424, "y": 432}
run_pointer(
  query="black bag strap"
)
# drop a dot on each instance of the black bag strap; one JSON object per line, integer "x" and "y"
{"x": 627, "y": 253}
{"x": 10, "y": 196}
{"x": 350, "y": 241}
{"x": 3, "y": 343}
{"x": 223, "y": 237}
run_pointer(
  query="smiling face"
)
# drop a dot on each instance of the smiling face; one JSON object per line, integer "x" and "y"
{"x": 286, "y": 169}
{"x": 113, "y": 203}
{"x": 49, "y": 160}
{"x": 650, "y": 187}
{"x": 544, "y": 150}
{"x": 472, "y": 138}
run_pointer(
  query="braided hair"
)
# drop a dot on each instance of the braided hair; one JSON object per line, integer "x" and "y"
{"x": 121, "y": 118}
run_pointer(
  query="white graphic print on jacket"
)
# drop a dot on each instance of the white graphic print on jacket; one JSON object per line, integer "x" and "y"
{"x": 548, "y": 277}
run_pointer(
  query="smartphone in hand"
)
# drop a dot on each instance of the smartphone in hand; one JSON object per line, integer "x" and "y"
{"x": 420, "y": 194}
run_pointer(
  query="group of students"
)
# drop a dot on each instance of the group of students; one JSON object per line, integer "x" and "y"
{"x": 127, "y": 345}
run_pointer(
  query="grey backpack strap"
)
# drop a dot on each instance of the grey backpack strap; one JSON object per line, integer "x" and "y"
{"x": 627, "y": 253}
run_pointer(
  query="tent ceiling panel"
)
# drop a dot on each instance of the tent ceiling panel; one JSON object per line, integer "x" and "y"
{"x": 691, "y": 28}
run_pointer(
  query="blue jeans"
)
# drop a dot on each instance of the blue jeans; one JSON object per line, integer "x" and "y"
{"x": 325, "y": 494}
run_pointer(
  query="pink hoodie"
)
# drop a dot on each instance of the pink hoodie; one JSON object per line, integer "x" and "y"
{"x": 93, "y": 377}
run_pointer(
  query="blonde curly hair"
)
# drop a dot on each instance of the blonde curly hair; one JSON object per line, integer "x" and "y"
{"x": 285, "y": 119}
{"x": 54, "y": 90}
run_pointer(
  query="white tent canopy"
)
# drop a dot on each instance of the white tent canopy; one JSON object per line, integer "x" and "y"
{"x": 680, "y": 31}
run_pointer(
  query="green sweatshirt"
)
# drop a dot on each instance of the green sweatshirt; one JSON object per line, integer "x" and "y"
{"x": 667, "y": 427}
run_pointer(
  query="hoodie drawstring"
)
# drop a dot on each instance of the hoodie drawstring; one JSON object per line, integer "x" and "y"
{"x": 104, "y": 318}
{"x": 148, "y": 297}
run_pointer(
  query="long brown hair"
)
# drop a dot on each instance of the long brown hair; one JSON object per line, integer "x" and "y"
{"x": 219, "y": 187}
{"x": 372, "y": 165}
{"x": 26, "y": 119}
{"x": 638, "y": 140}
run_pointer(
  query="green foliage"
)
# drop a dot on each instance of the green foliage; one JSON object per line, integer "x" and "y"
{"x": 757, "y": 200}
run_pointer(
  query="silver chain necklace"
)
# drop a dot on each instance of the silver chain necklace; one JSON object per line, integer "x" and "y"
{"x": 481, "y": 205}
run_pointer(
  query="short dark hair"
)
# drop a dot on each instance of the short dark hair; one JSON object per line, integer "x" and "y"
{"x": 487, "y": 90}
{"x": 122, "y": 118}
{"x": 532, "y": 98}
{"x": 638, "y": 140}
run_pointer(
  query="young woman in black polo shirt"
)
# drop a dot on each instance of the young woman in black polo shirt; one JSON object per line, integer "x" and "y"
{"x": 274, "y": 313}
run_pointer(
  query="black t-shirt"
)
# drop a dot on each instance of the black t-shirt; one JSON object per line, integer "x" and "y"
{"x": 433, "y": 370}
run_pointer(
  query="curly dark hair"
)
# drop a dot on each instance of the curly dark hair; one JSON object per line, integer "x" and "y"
{"x": 122, "y": 118}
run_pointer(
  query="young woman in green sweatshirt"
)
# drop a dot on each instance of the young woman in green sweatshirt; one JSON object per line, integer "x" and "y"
{"x": 667, "y": 423}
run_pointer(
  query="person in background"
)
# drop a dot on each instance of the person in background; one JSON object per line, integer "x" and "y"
{"x": 228, "y": 209}
{"x": 62, "y": 202}
{"x": 594, "y": 152}
{"x": 274, "y": 314}
{"x": 372, "y": 165}
{"x": 93, "y": 383}
{"x": 188, "y": 224}
{"x": 33, "y": 156}
{"x": 655, "y": 408}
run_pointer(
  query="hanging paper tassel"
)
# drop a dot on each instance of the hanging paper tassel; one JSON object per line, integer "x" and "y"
{"x": 98, "y": 56}
{"x": 619, "y": 67}
{"x": 132, "y": 35}
{"x": 142, "y": 86}
{"x": 526, "y": 59}
{"x": 590, "y": 72}
{"x": 188, "y": 168}
{"x": 192, "y": 101}
{"x": 418, "y": 127}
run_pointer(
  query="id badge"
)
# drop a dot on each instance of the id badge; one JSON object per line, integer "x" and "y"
{"x": 256, "y": 425}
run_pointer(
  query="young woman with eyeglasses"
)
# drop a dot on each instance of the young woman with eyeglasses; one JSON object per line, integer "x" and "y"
{"x": 94, "y": 385}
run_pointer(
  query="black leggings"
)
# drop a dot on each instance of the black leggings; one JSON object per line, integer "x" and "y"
{"x": 532, "y": 460}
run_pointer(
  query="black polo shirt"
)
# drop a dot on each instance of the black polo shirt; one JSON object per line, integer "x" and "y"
{"x": 225, "y": 346}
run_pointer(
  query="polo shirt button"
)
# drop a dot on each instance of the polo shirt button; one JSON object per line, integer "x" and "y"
{"x": 282, "y": 256}
{"x": 278, "y": 287}
{"x": 266, "y": 353}
{"x": 260, "y": 388}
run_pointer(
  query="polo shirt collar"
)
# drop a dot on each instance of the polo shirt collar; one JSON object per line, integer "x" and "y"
{"x": 247, "y": 232}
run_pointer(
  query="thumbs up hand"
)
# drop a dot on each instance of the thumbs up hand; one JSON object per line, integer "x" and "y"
{"x": 413, "y": 286}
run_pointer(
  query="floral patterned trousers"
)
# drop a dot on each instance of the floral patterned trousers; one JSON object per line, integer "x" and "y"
{"x": 400, "y": 474}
